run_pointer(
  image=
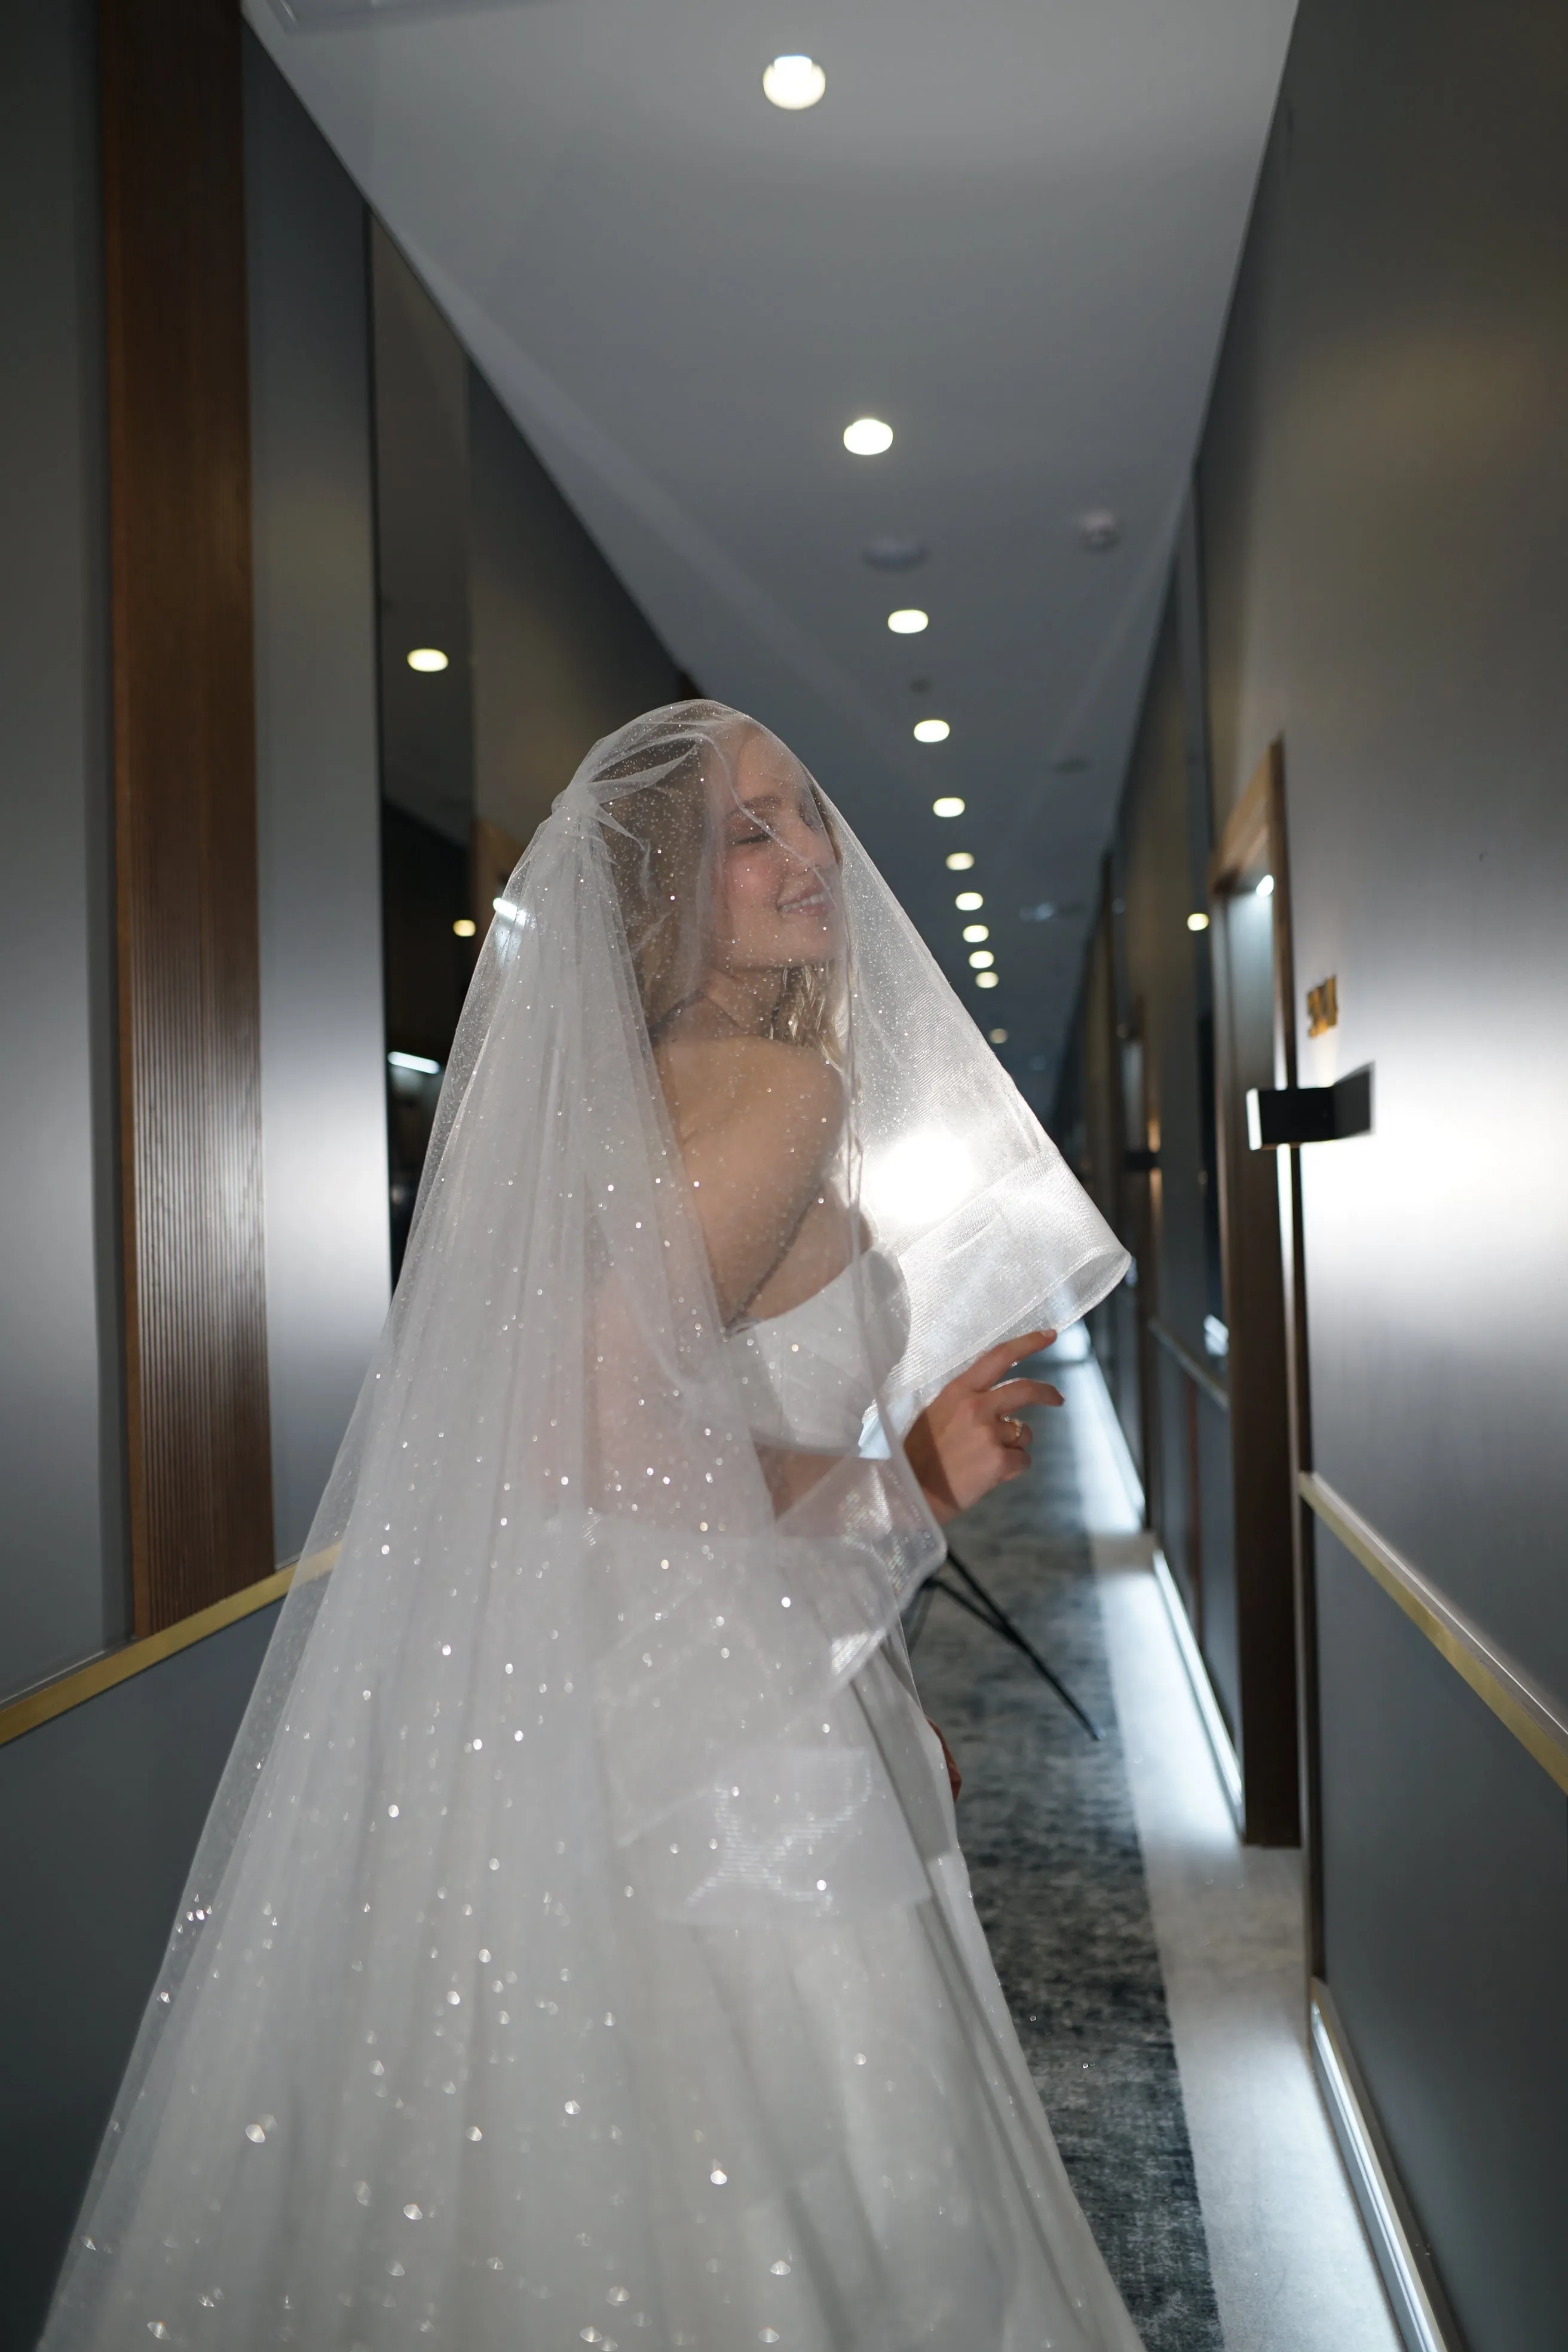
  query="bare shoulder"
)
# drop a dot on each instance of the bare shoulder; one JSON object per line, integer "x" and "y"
{"x": 711, "y": 1082}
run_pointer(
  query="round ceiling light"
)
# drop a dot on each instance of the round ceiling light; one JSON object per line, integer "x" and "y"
{"x": 794, "y": 83}
{"x": 867, "y": 436}
{"x": 960, "y": 861}
{"x": 997, "y": 1037}
{"x": 974, "y": 932}
{"x": 428, "y": 659}
{"x": 982, "y": 960}
{"x": 1265, "y": 888}
{"x": 894, "y": 554}
{"x": 932, "y": 730}
{"x": 968, "y": 902}
{"x": 907, "y": 621}
{"x": 1198, "y": 922}
{"x": 1099, "y": 530}
{"x": 949, "y": 805}
{"x": 988, "y": 980}
{"x": 464, "y": 927}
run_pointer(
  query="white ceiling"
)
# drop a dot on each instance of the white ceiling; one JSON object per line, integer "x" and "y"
{"x": 1010, "y": 228}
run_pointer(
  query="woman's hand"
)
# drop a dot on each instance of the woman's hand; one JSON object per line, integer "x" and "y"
{"x": 970, "y": 1438}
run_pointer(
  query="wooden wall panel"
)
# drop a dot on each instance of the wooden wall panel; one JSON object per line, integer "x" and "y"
{"x": 185, "y": 803}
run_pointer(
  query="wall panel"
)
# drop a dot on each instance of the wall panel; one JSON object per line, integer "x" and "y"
{"x": 184, "y": 759}
{"x": 64, "y": 1586}
{"x": 323, "y": 1091}
{"x": 1446, "y": 1920}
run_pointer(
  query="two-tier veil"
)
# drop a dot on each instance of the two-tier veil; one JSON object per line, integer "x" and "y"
{"x": 577, "y": 1952}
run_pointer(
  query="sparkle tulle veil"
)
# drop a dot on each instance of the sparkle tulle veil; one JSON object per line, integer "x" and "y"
{"x": 576, "y": 1881}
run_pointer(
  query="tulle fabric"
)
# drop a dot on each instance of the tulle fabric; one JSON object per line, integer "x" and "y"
{"x": 577, "y": 1951}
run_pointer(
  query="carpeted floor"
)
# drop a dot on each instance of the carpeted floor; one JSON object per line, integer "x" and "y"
{"x": 1048, "y": 1829}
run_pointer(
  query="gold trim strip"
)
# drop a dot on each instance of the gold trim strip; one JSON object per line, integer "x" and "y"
{"x": 69, "y": 1690}
{"x": 1534, "y": 1720}
{"x": 1185, "y": 1361}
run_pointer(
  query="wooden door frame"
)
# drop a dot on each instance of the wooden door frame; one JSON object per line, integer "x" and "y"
{"x": 1264, "y": 1311}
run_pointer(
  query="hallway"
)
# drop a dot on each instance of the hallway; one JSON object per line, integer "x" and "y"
{"x": 1119, "y": 451}
{"x": 1151, "y": 1961}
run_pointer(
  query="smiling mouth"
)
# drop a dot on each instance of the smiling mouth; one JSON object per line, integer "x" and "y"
{"x": 819, "y": 901}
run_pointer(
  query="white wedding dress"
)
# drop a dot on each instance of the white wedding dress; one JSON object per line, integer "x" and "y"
{"x": 579, "y": 1951}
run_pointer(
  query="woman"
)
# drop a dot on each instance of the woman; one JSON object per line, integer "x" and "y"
{"x": 579, "y": 1950}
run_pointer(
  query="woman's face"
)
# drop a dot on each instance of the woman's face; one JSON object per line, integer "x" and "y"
{"x": 778, "y": 894}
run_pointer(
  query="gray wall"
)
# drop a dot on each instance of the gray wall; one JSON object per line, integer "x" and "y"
{"x": 1384, "y": 489}
{"x": 323, "y": 1061}
{"x": 562, "y": 654}
{"x": 100, "y": 1814}
{"x": 63, "y": 1579}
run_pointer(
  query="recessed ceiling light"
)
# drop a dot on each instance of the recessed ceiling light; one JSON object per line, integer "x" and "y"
{"x": 968, "y": 902}
{"x": 949, "y": 805}
{"x": 427, "y": 657}
{"x": 998, "y": 1036}
{"x": 1265, "y": 888}
{"x": 932, "y": 730}
{"x": 974, "y": 932}
{"x": 959, "y": 861}
{"x": 794, "y": 83}
{"x": 894, "y": 554}
{"x": 1099, "y": 530}
{"x": 1197, "y": 923}
{"x": 981, "y": 960}
{"x": 464, "y": 927}
{"x": 867, "y": 436}
{"x": 907, "y": 621}
{"x": 988, "y": 980}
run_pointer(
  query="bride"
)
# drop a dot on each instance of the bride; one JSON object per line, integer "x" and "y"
{"x": 579, "y": 1950}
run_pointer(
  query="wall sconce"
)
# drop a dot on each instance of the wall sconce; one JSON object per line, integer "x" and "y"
{"x": 1277, "y": 1117}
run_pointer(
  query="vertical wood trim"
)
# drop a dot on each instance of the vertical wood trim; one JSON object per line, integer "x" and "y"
{"x": 186, "y": 851}
{"x": 1262, "y": 1357}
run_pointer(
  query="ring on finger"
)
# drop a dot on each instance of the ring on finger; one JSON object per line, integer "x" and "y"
{"x": 1012, "y": 1430}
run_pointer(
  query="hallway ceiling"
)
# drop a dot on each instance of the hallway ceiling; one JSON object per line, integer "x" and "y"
{"x": 1009, "y": 229}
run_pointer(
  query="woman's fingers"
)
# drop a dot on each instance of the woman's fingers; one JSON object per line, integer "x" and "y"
{"x": 986, "y": 1370}
{"x": 1012, "y": 1396}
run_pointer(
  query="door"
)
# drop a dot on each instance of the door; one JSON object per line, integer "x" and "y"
{"x": 1254, "y": 1046}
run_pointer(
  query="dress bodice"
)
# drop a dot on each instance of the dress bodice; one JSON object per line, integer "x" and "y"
{"x": 808, "y": 1377}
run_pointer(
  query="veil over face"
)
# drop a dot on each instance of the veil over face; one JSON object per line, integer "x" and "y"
{"x": 564, "y": 1666}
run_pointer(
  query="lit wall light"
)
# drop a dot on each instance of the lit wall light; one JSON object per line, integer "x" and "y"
{"x": 982, "y": 960}
{"x": 932, "y": 730}
{"x": 968, "y": 902}
{"x": 428, "y": 659}
{"x": 974, "y": 932}
{"x": 1197, "y": 923}
{"x": 867, "y": 436}
{"x": 986, "y": 980}
{"x": 998, "y": 1036}
{"x": 418, "y": 1062}
{"x": 1265, "y": 888}
{"x": 949, "y": 805}
{"x": 960, "y": 861}
{"x": 907, "y": 621}
{"x": 794, "y": 83}
{"x": 464, "y": 927}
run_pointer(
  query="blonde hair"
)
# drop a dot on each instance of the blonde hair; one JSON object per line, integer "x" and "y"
{"x": 660, "y": 840}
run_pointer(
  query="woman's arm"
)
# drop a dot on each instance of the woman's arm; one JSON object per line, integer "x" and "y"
{"x": 969, "y": 1438}
{"x": 757, "y": 1124}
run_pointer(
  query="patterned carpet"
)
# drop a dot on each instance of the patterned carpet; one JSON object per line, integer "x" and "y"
{"x": 1047, "y": 1830}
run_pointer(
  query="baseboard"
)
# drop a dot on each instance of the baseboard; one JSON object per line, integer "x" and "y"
{"x": 1226, "y": 1762}
{"x": 1421, "y": 2309}
{"x": 1126, "y": 1469}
